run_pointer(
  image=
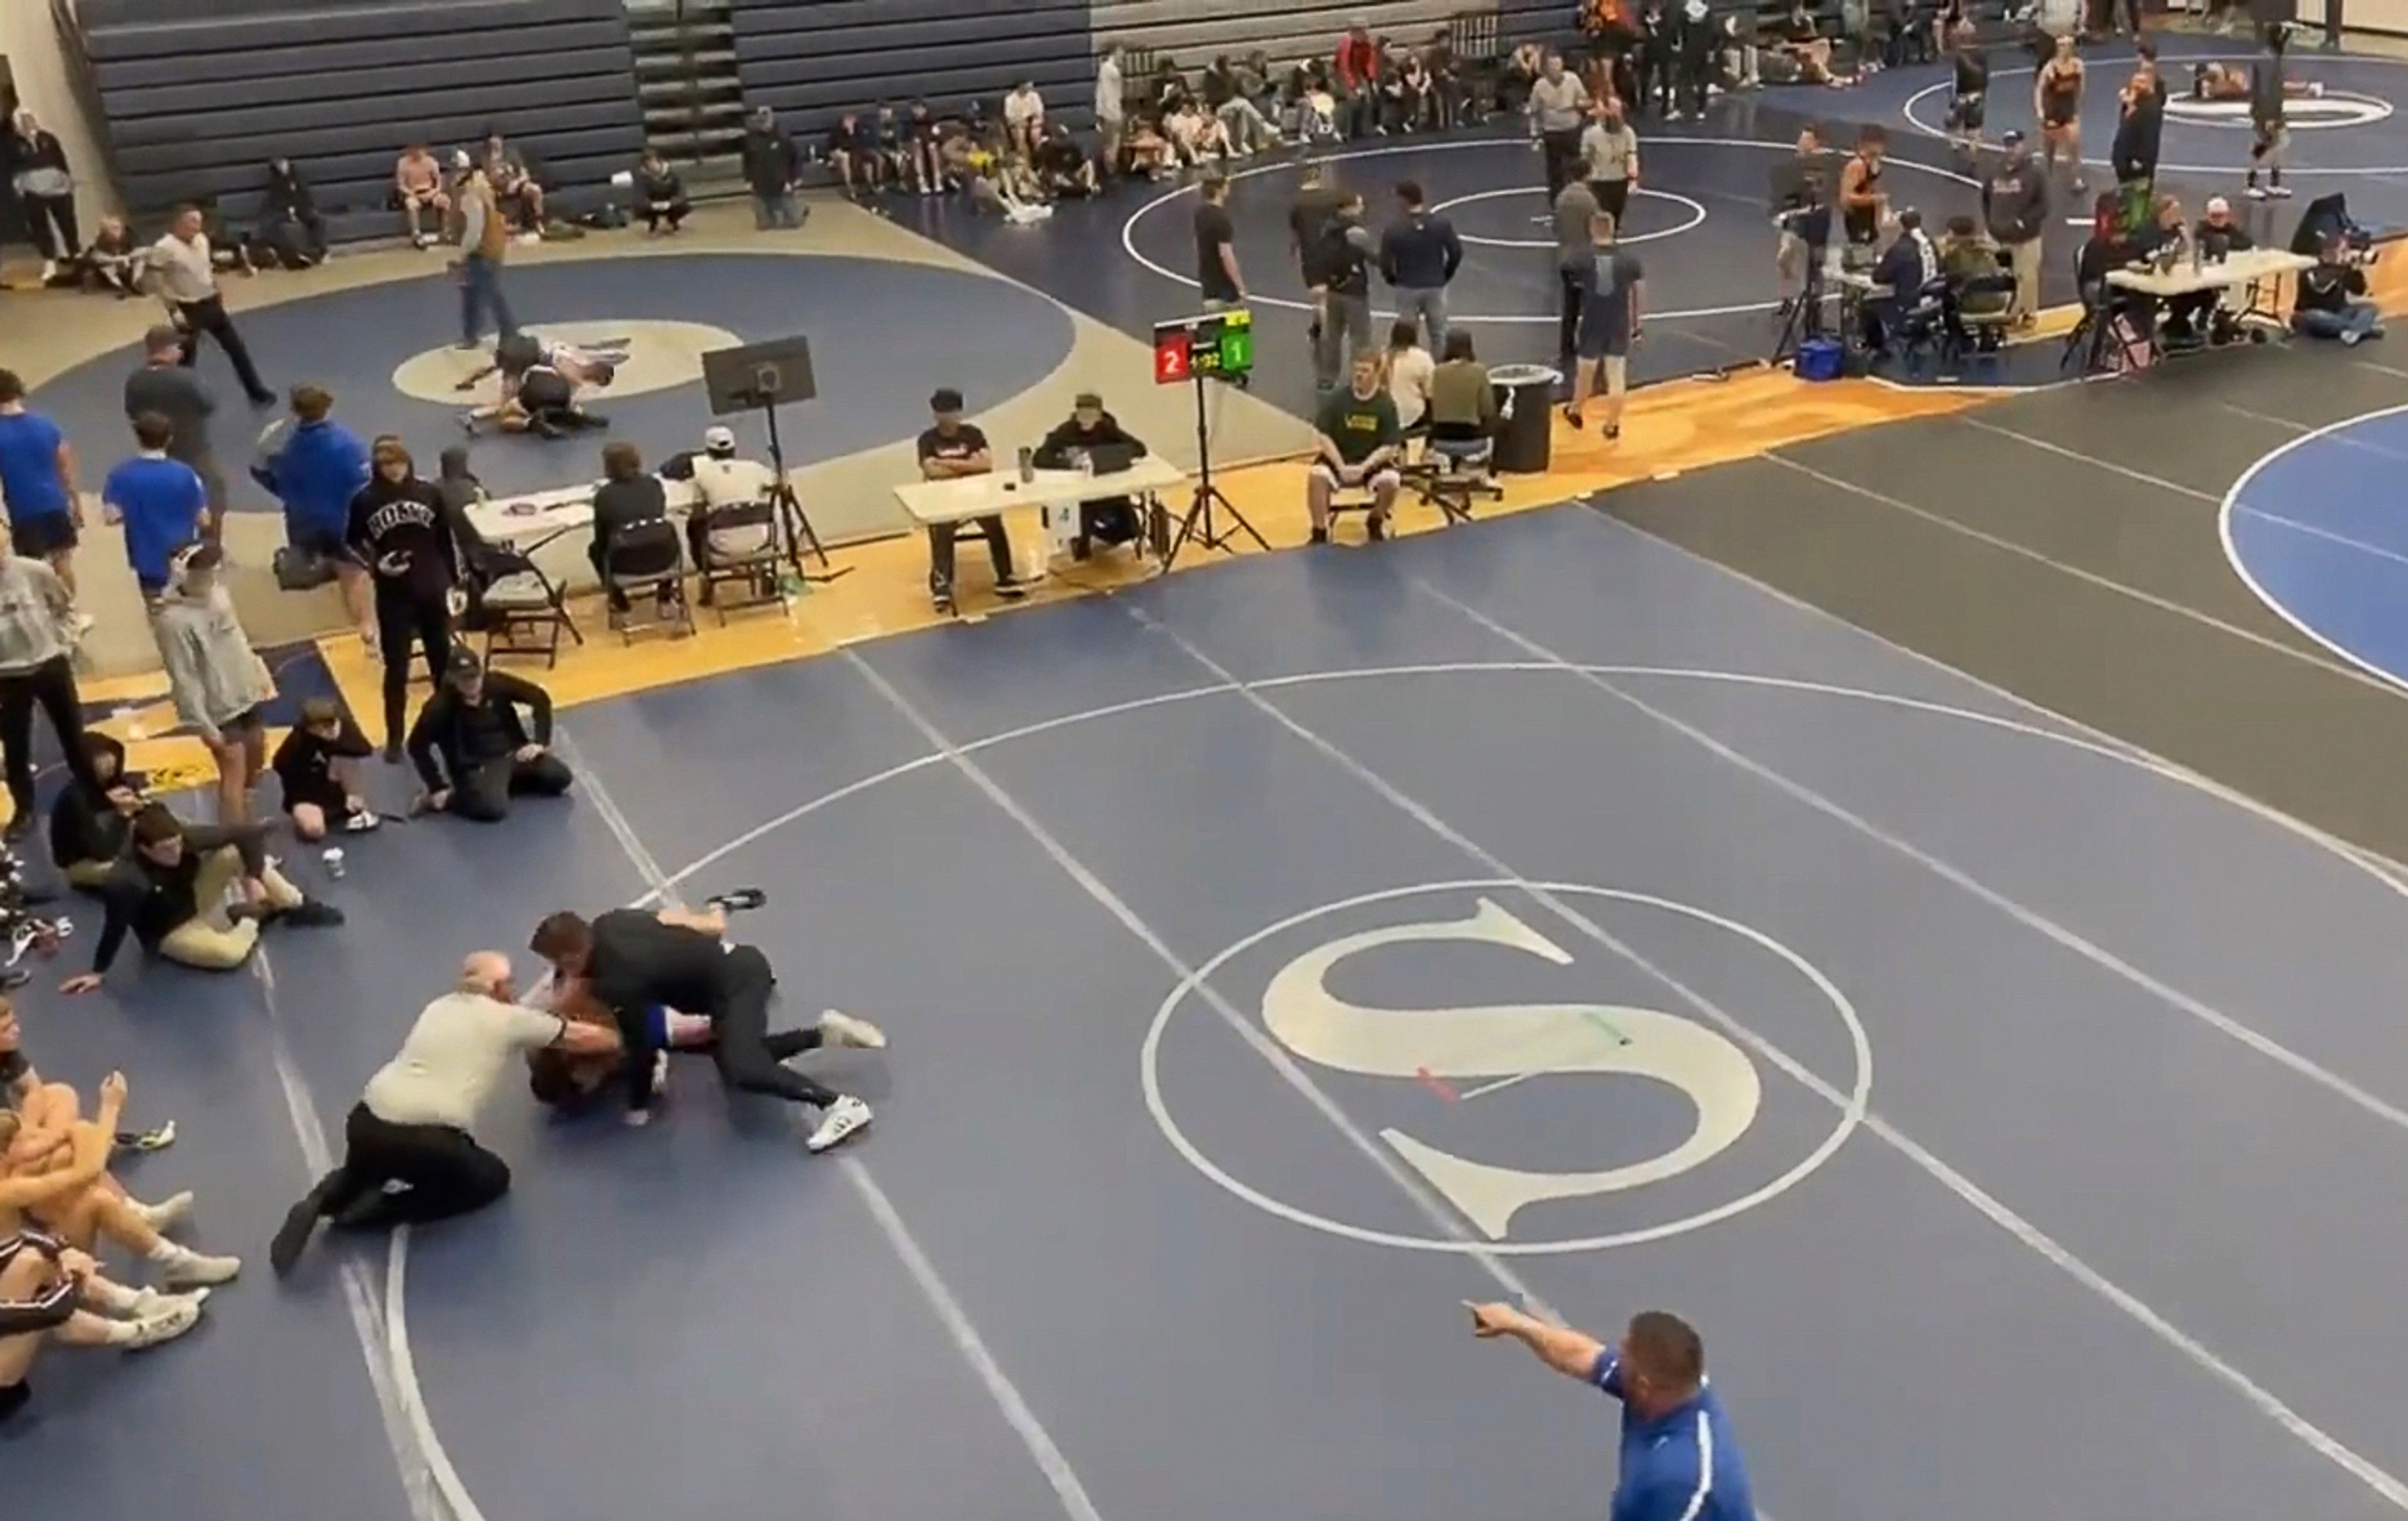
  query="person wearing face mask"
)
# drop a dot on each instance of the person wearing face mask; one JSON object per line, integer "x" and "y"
{"x": 402, "y": 531}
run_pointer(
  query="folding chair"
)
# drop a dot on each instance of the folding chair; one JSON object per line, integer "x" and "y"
{"x": 754, "y": 572}
{"x": 646, "y": 562}
{"x": 509, "y": 598}
{"x": 1453, "y": 471}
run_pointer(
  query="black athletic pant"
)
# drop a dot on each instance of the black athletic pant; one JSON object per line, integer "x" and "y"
{"x": 1612, "y": 198}
{"x": 52, "y": 684}
{"x": 1574, "y": 292}
{"x": 50, "y": 222}
{"x": 1561, "y": 152}
{"x": 210, "y": 317}
{"x": 484, "y": 793}
{"x": 750, "y": 1057}
{"x": 400, "y": 618}
{"x": 447, "y": 1171}
{"x": 941, "y": 536}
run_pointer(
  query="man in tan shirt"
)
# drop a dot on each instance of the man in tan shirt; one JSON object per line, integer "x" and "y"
{"x": 183, "y": 274}
{"x": 484, "y": 237}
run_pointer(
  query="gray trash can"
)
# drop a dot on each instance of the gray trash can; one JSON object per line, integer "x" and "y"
{"x": 1525, "y": 445}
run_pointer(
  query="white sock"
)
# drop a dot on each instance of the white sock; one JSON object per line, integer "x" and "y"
{"x": 116, "y": 1298}
{"x": 168, "y": 1254}
{"x": 119, "y": 1332}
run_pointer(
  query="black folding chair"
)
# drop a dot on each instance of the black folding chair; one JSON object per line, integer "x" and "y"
{"x": 752, "y": 572}
{"x": 646, "y": 563}
{"x": 510, "y": 598}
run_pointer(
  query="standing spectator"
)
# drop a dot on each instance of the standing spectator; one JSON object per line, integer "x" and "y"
{"x": 418, "y": 188}
{"x": 161, "y": 501}
{"x": 398, "y": 527}
{"x": 1610, "y": 290}
{"x": 1338, "y": 272}
{"x": 772, "y": 165}
{"x": 166, "y": 387}
{"x": 660, "y": 194}
{"x": 2014, "y": 203}
{"x": 2139, "y": 127}
{"x": 37, "y": 478}
{"x": 37, "y": 636}
{"x": 1558, "y": 107}
{"x": 38, "y": 174}
{"x": 489, "y": 754}
{"x": 1111, "y": 108}
{"x": 1216, "y": 247}
{"x": 1574, "y": 210}
{"x": 1419, "y": 255}
{"x": 1609, "y": 154}
{"x": 219, "y": 683}
{"x": 1024, "y": 118}
{"x": 1358, "y": 82}
{"x": 184, "y": 272}
{"x": 484, "y": 240}
{"x": 319, "y": 468}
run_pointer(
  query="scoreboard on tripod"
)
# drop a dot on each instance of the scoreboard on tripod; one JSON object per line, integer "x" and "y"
{"x": 1219, "y": 343}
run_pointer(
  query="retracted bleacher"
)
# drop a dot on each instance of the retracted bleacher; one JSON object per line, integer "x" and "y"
{"x": 195, "y": 107}
{"x": 1287, "y": 32}
{"x": 814, "y": 59}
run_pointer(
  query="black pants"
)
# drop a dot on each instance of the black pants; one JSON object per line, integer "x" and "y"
{"x": 1561, "y": 150}
{"x": 750, "y": 1057}
{"x": 1568, "y": 336}
{"x": 940, "y": 552}
{"x": 46, "y": 212}
{"x": 1613, "y": 196}
{"x": 52, "y": 684}
{"x": 400, "y": 618}
{"x": 671, "y": 213}
{"x": 210, "y": 317}
{"x": 447, "y": 1171}
{"x": 485, "y": 792}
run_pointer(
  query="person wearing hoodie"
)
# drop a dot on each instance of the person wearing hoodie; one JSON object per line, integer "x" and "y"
{"x": 218, "y": 681}
{"x": 93, "y": 816}
{"x": 772, "y": 165}
{"x": 295, "y": 228}
{"x": 402, "y": 531}
{"x": 37, "y": 665}
{"x": 319, "y": 468}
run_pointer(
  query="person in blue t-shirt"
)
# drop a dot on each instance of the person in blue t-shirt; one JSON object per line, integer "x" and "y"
{"x": 1680, "y": 1461}
{"x": 320, "y": 468}
{"x": 38, "y": 483}
{"x": 161, "y": 502}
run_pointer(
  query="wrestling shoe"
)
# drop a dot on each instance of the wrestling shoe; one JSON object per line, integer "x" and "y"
{"x": 169, "y": 1324}
{"x": 843, "y": 1117}
{"x": 841, "y": 1030}
{"x": 311, "y": 915}
{"x": 151, "y": 1301}
{"x": 183, "y": 1267}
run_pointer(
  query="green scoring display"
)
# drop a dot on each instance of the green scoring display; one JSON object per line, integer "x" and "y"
{"x": 1216, "y": 343}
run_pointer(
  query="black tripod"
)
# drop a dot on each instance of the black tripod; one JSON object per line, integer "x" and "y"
{"x": 794, "y": 528}
{"x": 1201, "y": 523}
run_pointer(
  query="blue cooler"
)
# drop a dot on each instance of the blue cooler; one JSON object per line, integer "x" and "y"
{"x": 1820, "y": 359}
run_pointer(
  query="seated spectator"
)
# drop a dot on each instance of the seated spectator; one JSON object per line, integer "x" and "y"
{"x": 54, "y": 1174}
{"x": 50, "y": 1292}
{"x": 1404, "y": 91}
{"x": 660, "y": 194}
{"x": 1522, "y": 67}
{"x": 1063, "y": 167}
{"x": 1803, "y": 43}
{"x": 1242, "y": 119}
{"x": 990, "y": 180}
{"x": 1199, "y": 136}
{"x": 2331, "y": 300}
{"x": 722, "y": 479}
{"x": 1967, "y": 256}
{"x": 289, "y": 223}
{"x": 516, "y": 189}
{"x": 1150, "y": 153}
{"x": 1024, "y": 118}
{"x": 923, "y": 159}
{"x": 169, "y": 891}
{"x": 217, "y": 681}
{"x": 91, "y": 822}
{"x": 629, "y": 494}
{"x": 2218, "y": 237}
{"x": 852, "y": 153}
{"x": 115, "y": 262}
{"x": 893, "y": 160}
{"x": 1409, "y": 368}
{"x": 1358, "y": 443}
{"x": 2165, "y": 240}
{"x": 489, "y": 754}
{"x": 1168, "y": 88}
{"x": 319, "y": 764}
{"x": 950, "y": 450}
{"x": 1906, "y": 266}
{"x": 1462, "y": 400}
{"x": 314, "y": 474}
{"x": 418, "y": 188}
{"x": 1111, "y": 519}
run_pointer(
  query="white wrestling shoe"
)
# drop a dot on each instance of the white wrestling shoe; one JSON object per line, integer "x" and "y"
{"x": 182, "y": 1315}
{"x": 167, "y": 1213}
{"x": 148, "y": 1302}
{"x": 841, "y": 1030}
{"x": 182, "y": 1268}
{"x": 843, "y": 1117}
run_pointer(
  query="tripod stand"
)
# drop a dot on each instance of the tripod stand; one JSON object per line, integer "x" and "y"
{"x": 1201, "y": 523}
{"x": 794, "y": 528}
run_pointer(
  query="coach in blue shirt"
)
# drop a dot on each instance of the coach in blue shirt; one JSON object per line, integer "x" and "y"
{"x": 1679, "y": 1462}
{"x": 159, "y": 500}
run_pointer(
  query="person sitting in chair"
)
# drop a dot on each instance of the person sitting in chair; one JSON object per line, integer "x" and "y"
{"x": 950, "y": 451}
{"x": 1089, "y": 429}
{"x": 1906, "y": 266}
{"x": 169, "y": 887}
{"x": 1462, "y": 400}
{"x": 91, "y": 823}
{"x": 722, "y": 479}
{"x": 1971, "y": 260}
{"x": 1358, "y": 442}
{"x": 488, "y": 756}
{"x": 629, "y": 494}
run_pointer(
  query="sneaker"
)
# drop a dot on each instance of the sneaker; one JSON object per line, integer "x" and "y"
{"x": 393, "y": 752}
{"x": 2350, "y": 337}
{"x": 1320, "y": 535}
{"x": 190, "y": 1270}
{"x": 840, "y": 1029}
{"x": 944, "y": 603}
{"x": 1572, "y": 415}
{"x": 660, "y": 1073}
{"x": 360, "y": 821}
{"x": 2280, "y": 193}
{"x": 157, "y": 1139}
{"x": 2256, "y": 193}
{"x": 311, "y": 915}
{"x": 843, "y": 1117}
{"x": 300, "y": 1224}
{"x": 1011, "y": 589}
{"x": 167, "y": 1325}
{"x": 151, "y": 1301}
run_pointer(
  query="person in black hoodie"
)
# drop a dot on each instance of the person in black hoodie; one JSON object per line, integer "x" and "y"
{"x": 772, "y": 165}
{"x": 1111, "y": 519}
{"x": 488, "y": 756}
{"x": 317, "y": 765}
{"x": 293, "y": 226}
{"x": 91, "y": 820}
{"x": 402, "y": 531}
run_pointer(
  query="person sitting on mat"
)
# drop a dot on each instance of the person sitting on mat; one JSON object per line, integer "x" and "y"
{"x": 489, "y": 757}
{"x": 50, "y": 1292}
{"x": 319, "y": 764}
{"x": 91, "y": 822}
{"x": 412, "y": 1125}
{"x": 59, "y": 1181}
{"x": 167, "y": 889}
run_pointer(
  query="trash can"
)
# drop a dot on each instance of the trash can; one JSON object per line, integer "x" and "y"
{"x": 1525, "y": 446}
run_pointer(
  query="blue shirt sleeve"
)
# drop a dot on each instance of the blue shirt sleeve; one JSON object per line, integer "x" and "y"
{"x": 1654, "y": 1501}
{"x": 1607, "y": 1374}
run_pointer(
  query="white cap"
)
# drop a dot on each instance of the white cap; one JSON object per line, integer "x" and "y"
{"x": 719, "y": 439}
{"x": 2217, "y": 205}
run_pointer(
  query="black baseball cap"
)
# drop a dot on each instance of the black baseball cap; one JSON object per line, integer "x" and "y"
{"x": 464, "y": 665}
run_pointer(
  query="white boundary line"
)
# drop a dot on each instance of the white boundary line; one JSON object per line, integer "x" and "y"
{"x": 1988, "y": 1205}
{"x": 1907, "y": 109}
{"x": 2387, "y": 680}
{"x": 1697, "y": 220}
{"x": 1128, "y": 228}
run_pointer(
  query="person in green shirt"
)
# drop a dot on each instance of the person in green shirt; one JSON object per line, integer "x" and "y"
{"x": 1360, "y": 440}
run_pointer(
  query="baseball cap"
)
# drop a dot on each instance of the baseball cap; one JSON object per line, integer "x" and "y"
{"x": 2011, "y": 138}
{"x": 719, "y": 437}
{"x": 1088, "y": 398}
{"x": 464, "y": 665}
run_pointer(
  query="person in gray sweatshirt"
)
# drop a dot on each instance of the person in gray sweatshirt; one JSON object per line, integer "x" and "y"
{"x": 217, "y": 681}
{"x": 36, "y": 666}
{"x": 2015, "y": 203}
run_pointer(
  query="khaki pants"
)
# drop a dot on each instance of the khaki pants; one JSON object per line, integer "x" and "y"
{"x": 88, "y": 874}
{"x": 2026, "y": 259}
{"x": 209, "y": 940}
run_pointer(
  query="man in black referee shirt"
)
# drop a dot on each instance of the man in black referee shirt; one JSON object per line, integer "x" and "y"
{"x": 1216, "y": 247}
{"x": 632, "y": 960}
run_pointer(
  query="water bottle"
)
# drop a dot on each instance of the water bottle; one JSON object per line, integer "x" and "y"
{"x": 1027, "y": 464}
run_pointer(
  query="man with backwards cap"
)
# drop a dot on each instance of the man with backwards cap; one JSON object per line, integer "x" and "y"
{"x": 1680, "y": 1459}
{"x": 489, "y": 754}
{"x": 723, "y": 480}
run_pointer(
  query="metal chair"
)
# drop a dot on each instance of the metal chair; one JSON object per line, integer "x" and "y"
{"x": 509, "y": 598}
{"x": 646, "y": 561}
{"x": 754, "y": 572}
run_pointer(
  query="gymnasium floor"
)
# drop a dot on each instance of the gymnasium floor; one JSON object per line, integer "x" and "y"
{"x": 1900, "y": 896}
